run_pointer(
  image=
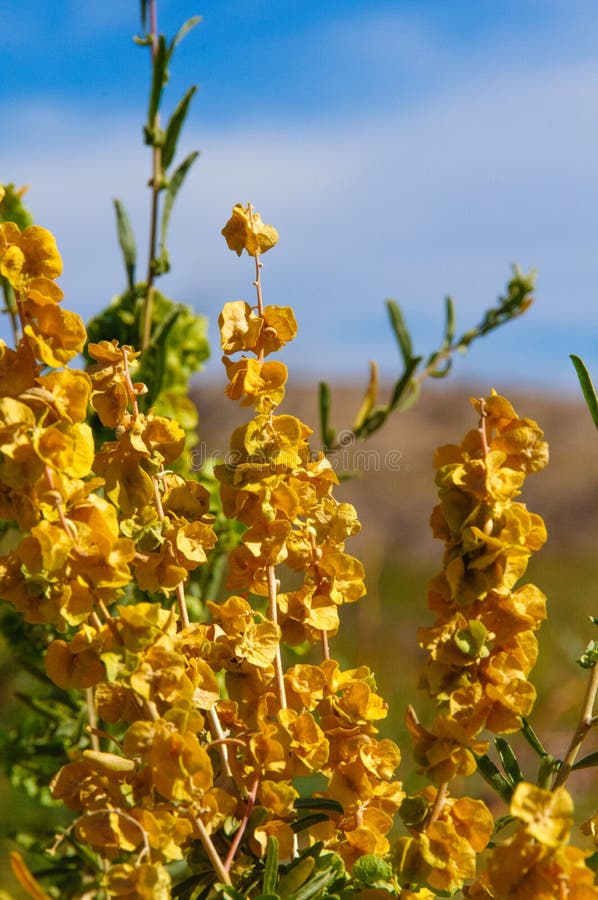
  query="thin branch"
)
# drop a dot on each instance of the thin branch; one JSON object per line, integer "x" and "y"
{"x": 92, "y": 719}
{"x": 273, "y": 612}
{"x": 212, "y": 853}
{"x": 243, "y": 825}
{"x": 586, "y": 720}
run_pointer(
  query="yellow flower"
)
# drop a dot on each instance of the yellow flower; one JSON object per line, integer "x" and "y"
{"x": 246, "y": 231}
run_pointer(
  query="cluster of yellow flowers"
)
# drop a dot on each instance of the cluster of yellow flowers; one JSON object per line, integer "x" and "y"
{"x": 204, "y": 723}
{"x": 313, "y": 718}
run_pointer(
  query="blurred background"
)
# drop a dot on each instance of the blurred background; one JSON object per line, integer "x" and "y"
{"x": 407, "y": 149}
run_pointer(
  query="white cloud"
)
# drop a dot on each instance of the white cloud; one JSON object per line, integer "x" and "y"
{"x": 413, "y": 205}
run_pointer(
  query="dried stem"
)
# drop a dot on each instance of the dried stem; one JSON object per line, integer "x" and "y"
{"x": 210, "y": 849}
{"x": 241, "y": 829}
{"x": 586, "y": 720}
{"x": 273, "y": 612}
{"x": 482, "y": 428}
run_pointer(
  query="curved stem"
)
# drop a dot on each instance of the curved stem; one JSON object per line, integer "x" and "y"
{"x": 241, "y": 829}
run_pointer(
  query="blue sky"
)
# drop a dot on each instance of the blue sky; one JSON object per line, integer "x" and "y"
{"x": 404, "y": 149}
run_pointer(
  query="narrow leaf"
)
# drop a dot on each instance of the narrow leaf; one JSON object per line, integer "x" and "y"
{"x": 183, "y": 31}
{"x": 325, "y": 803}
{"x": 449, "y": 321}
{"x": 491, "y": 774}
{"x": 400, "y": 330}
{"x": 126, "y": 240}
{"x": 173, "y": 129}
{"x": 144, "y": 14}
{"x": 172, "y": 190}
{"x": 308, "y": 821}
{"x": 587, "y": 387}
{"x": 369, "y": 399}
{"x": 405, "y": 390}
{"x": 587, "y": 762}
{"x": 159, "y": 79}
{"x": 270, "y": 866}
{"x": 508, "y": 761}
{"x": 531, "y": 737}
{"x": 327, "y": 433}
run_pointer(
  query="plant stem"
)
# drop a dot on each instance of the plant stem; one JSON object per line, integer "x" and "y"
{"x": 273, "y": 611}
{"x": 438, "y": 802}
{"x": 241, "y": 829}
{"x": 586, "y": 720}
{"x": 155, "y": 189}
{"x": 92, "y": 719}
{"x": 210, "y": 849}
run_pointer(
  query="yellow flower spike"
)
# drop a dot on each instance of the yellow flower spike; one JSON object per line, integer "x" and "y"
{"x": 246, "y": 231}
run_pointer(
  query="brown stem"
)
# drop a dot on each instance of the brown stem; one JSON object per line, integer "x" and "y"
{"x": 241, "y": 829}
{"x": 586, "y": 720}
{"x": 438, "y": 802}
{"x": 212, "y": 853}
{"x": 325, "y": 646}
{"x": 273, "y": 612}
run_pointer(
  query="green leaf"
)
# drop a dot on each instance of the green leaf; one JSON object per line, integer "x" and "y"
{"x": 329, "y": 868}
{"x": 471, "y": 640}
{"x": 546, "y": 772}
{"x": 589, "y": 658}
{"x": 270, "y": 866}
{"x": 322, "y": 803}
{"x": 531, "y": 737}
{"x": 405, "y": 391}
{"x": 491, "y": 774}
{"x": 587, "y": 387}
{"x": 183, "y": 31}
{"x": 308, "y": 821}
{"x": 587, "y": 762}
{"x": 144, "y": 23}
{"x": 327, "y": 434}
{"x": 508, "y": 761}
{"x": 592, "y": 861}
{"x": 172, "y": 190}
{"x": 502, "y": 822}
{"x": 159, "y": 79}
{"x": 126, "y": 240}
{"x": 369, "y": 399}
{"x": 174, "y": 126}
{"x": 449, "y": 321}
{"x": 297, "y": 875}
{"x": 400, "y": 330}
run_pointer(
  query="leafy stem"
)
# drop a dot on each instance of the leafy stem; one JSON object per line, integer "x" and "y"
{"x": 586, "y": 720}
{"x": 154, "y": 187}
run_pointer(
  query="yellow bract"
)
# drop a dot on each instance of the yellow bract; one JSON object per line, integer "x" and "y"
{"x": 246, "y": 231}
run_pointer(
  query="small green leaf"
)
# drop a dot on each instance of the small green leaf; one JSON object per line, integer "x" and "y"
{"x": 323, "y": 803}
{"x": 182, "y": 32}
{"x": 587, "y": 387}
{"x": 508, "y": 761}
{"x": 502, "y": 822}
{"x": 308, "y": 821}
{"x": 144, "y": 14}
{"x": 531, "y": 737}
{"x": 592, "y": 861}
{"x": 270, "y": 866}
{"x": 172, "y": 190}
{"x": 173, "y": 129}
{"x": 589, "y": 658}
{"x": 327, "y": 434}
{"x": 369, "y": 399}
{"x": 449, "y": 321}
{"x": 413, "y": 810}
{"x": 491, "y": 774}
{"x": 126, "y": 240}
{"x": 406, "y": 390}
{"x": 400, "y": 330}
{"x": 548, "y": 767}
{"x": 295, "y": 877}
{"x": 159, "y": 79}
{"x": 587, "y": 762}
